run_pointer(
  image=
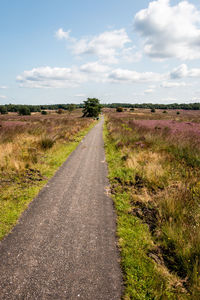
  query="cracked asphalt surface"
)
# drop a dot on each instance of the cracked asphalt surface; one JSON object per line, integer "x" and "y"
{"x": 64, "y": 245}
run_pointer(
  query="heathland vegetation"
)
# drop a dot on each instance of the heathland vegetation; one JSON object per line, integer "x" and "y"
{"x": 154, "y": 171}
{"x": 32, "y": 147}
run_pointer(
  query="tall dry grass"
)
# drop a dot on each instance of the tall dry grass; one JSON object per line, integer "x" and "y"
{"x": 25, "y": 139}
{"x": 165, "y": 192}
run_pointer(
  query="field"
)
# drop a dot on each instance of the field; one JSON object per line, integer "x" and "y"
{"x": 31, "y": 150}
{"x": 154, "y": 170}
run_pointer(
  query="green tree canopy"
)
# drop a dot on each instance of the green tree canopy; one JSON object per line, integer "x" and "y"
{"x": 92, "y": 107}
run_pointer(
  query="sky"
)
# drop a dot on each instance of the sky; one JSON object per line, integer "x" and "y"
{"x": 59, "y": 51}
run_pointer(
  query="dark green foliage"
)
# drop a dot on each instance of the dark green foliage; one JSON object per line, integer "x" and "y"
{"x": 178, "y": 112}
{"x": 24, "y": 111}
{"x": 44, "y": 112}
{"x": 132, "y": 109}
{"x": 3, "y": 110}
{"x": 92, "y": 108}
{"x": 71, "y": 107}
{"x": 119, "y": 109}
{"x": 164, "y": 112}
{"x": 153, "y": 110}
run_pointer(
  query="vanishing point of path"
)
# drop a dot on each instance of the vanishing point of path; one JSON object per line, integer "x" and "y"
{"x": 64, "y": 246}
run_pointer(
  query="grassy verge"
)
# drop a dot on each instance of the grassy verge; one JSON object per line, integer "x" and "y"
{"x": 17, "y": 194}
{"x": 157, "y": 204}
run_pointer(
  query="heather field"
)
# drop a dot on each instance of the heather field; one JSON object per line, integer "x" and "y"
{"x": 31, "y": 150}
{"x": 154, "y": 170}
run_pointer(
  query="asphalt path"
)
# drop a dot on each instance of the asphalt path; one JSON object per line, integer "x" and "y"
{"x": 64, "y": 245}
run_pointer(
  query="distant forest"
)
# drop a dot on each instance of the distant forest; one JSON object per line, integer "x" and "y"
{"x": 39, "y": 108}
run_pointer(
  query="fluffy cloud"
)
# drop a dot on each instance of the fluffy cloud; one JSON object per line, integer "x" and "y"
{"x": 61, "y": 34}
{"x": 122, "y": 75}
{"x": 47, "y": 77}
{"x": 169, "y": 84}
{"x": 94, "y": 67}
{"x": 3, "y": 87}
{"x": 170, "y": 31}
{"x": 107, "y": 46}
{"x": 183, "y": 71}
{"x": 3, "y": 97}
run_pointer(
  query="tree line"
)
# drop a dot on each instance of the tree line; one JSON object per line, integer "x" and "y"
{"x": 38, "y": 108}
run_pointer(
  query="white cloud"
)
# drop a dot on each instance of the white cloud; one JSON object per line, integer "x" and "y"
{"x": 3, "y": 97}
{"x": 3, "y": 87}
{"x": 170, "y": 31}
{"x": 60, "y": 34}
{"x": 149, "y": 91}
{"x": 107, "y": 46}
{"x": 47, "y": 77}
{"x": 122, "y": 75}
{"x": 80, "y": 95}
{"x": 183, "y": 71}
{"x": 94, "y": 67}
{"x": 168, "y": 84}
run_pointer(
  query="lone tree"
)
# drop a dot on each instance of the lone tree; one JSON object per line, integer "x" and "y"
{"x": 92, "y": 108}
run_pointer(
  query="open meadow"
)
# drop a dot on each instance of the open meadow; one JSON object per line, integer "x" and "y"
{"x": 31, "y": 150}
{"x": 154, "y": 170}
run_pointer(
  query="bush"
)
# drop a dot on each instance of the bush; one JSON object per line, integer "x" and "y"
{"x": 131, "y": 109}
{"x": 60, "y": 111}
{"x": 3, "y": 110}
{"x": 119, "y": 109}
{"x": 178, "y": 112}
{"x": 46, "y": 143}
{"x": 164, "y": 112}
{"x": 44, "y": 112}
{"x": 24, "y": 111}
{"x": 153, "y": 110}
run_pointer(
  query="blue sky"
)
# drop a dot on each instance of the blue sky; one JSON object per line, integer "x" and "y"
{"x": 117, "y": 50}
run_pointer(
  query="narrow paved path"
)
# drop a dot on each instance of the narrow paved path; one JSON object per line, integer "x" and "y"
{"x": 64, "y": 246}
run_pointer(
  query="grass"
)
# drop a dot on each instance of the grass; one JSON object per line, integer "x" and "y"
{"x": 156, "y": 193}
{"x": 29, "y": 160}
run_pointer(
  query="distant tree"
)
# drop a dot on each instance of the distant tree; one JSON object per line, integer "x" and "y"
{"x": 92, "y": 107}
{"x": 119, "y": 109}
{"x": 60, "y": 111}
{"x": 71, "y": 107}
{"x": 44, "y": 112}
{"x": 24, "y": 111}
{"x": 153, "y": 110}
{"x": 3, "y": 110}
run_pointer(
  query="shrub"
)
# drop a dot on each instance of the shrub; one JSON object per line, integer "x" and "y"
{"x": 153, "y": 110}
{"x": 178, "y": 112}
{"x": 44, "y": 112}
{"x": 164, "y": 112}
{"x": 3, "y": 110}
{"x": 131, "y": 109}
{"x": 119, "y": 109}
{"x": 24, "y": 111}
{"x": 46, "y": 143}
{"x": 60, "y": 111}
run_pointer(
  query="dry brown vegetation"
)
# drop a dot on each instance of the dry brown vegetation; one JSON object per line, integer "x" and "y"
{"x": 31, "y": 150}
{"x": 160, "y": 173}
